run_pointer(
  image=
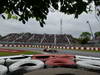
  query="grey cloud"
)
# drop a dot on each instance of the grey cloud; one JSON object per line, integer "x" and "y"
{"x": 69, "y": 25}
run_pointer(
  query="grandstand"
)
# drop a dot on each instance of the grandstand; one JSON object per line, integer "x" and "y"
{"x": 29, "y": 38}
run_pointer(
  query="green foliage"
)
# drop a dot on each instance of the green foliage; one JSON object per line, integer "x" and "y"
{"x": 97, "y": 34}
{"x": 84, "y": 41}
{"x": 39, "y": 9}
{"x": 85, "y": 37}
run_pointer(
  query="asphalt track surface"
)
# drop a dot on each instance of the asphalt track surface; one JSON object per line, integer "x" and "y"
{"x": 93, "y": 54}
{"x": 84, "y": 53}
{"x": 61, "y": 71}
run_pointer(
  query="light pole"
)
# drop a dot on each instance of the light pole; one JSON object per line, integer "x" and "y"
{"x": 61, "y": 26}
{"x": 90, "y": 29}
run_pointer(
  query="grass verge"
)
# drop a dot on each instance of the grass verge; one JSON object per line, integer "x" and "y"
{"x": 18, "y": 53}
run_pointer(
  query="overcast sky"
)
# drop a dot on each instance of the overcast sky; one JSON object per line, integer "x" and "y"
{"x": 69, "y": 25}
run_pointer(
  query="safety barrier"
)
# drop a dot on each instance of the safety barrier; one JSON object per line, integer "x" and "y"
{"x": 54, "y": 47}
{"x": 89, "y": 64}
{"x": 15, "y": 59}
{"x": 45, "y": 57}
{"x": 2, "y": 61}
{"x": 3, "y": 70}
{"x": 60, "y": 62}
{"x": 27, "y": 65}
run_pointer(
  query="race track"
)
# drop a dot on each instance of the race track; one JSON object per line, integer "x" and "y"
{"x": 93, "y": 54}
{"x": 84, "y": 53}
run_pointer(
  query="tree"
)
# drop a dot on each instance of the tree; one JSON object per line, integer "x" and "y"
{"x": 85, "y": 37}
{"x": 97, "y": 34}
{"x": 0, "y": 36}
{"x": 39, "y": 9}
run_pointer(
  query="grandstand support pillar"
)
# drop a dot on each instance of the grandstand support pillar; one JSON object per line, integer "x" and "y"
{"x": 55, "y": 40}
{"x": 42, "y": 39}
{"x": 68, "y": 40}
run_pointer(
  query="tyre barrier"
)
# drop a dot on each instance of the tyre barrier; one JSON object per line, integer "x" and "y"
{"x": 82, "y": 58}
{"x": 89, "y": 64}
{"x": 3, "y": 70}
{"x": 28, "y": 55}
{"x": 27, "y": 65}
{"x": 15, "y": 59}
{"x": 2, "y": 61}
{"x": 45, "y": 57}
{"x": 60, "y": 62}
{"x": 7, "y": 60}
{"x": 70, "y": 56}
{"x": 13, "y": 56}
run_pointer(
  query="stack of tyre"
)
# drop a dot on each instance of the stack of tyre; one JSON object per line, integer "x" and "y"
{"x": 33, "y": 62}
{"x": 20, "y": 62}
{"x": 56, "y": 60}
{"x": 87, "y": 62}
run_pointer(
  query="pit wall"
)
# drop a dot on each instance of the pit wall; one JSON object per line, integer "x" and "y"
{"x": 54, "y": 47}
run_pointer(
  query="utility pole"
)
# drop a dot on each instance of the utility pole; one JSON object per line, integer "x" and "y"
{"x": 90, "y": 29}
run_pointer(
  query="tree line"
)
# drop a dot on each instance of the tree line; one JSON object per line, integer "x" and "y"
{"x": 87, "y": 36}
